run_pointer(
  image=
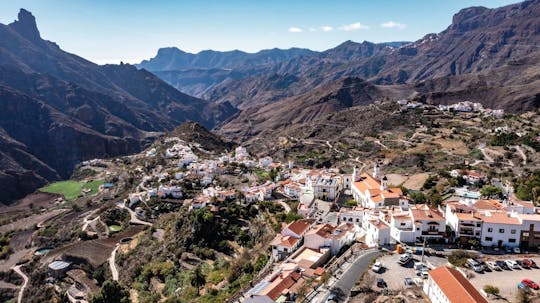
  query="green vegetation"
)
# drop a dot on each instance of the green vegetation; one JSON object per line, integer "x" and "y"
{"x": 528, "y": 187}
{"x": 111, "y": 292}
{"x": 115, "y": 228}
{"x": 72, "y": 189}
{"x": 492, "y": 290}
{"x": 491, "y": 191}
{"x": 5, "y": 250}
{"x": 351, "y": 203}
{"x": 459, "y": 257}
{"x": 504, "y": 139}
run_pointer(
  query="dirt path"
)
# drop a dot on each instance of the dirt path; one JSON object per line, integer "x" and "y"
{"x": 523, "y": 155}
{"x": 133, "y": 219}
{"x": 18, "y": 270}
{"x": 112, "y": 263}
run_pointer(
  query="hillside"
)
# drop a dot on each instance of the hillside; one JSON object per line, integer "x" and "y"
{"x": 482, "y": 50}
{"x": 61, "y": 109}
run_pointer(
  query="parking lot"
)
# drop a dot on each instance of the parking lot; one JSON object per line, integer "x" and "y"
{"x": 505, "y": 280}
{"x": 394, "y": 274}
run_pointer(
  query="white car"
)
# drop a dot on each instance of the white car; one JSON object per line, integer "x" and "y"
{"x": 405, "y": 258}
{"x": 491, "y": 265}
{"x": 377, "y": 267}
{"x": 512, "y": 264}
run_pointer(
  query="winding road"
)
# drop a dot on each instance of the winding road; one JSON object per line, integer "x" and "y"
{"x": 133, "y": 216}
{"x": 18, "y": 270}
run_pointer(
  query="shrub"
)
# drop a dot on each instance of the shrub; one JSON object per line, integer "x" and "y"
{"x": 492, "y": 290}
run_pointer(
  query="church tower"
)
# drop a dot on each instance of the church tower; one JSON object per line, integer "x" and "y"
{"x": 377, "y": 171}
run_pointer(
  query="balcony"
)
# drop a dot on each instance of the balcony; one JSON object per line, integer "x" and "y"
{"x": 434, "y": 233}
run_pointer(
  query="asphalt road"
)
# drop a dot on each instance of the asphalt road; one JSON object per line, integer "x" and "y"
{"x": 346, "y": 281}
{"x": 353, "y": 273}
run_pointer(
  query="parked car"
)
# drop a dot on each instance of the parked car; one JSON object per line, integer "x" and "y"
{"x": 331, "y": 298}
{"x": 377, "y": 267}
{"x": 512, "y": 264}
{"x": 405, "y": 258}
{"x": 530, "y": 283}
{"x": 522, "y": 264}
{"x": 533, "y": 264}
{"x": 502, "y": 264}
{"x": 381, "y": 283}
{"x": 477, "y": 267}
{"x": 524, "y": 287}
{"x": 483, "y": 264}
{"x": 516, "y": 250}
{"x": 408, "y": 281}
{"x": 493, "y": 266}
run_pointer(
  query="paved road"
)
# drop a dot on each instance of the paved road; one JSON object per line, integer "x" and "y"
{"x": 353, "y": 273}
{"x": 112, "y": 263}
{"x": 18, "y": 270}
{"x": 353, "y": 269}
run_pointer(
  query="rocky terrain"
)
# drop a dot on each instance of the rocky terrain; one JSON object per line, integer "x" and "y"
{"x": 59, "y": 109}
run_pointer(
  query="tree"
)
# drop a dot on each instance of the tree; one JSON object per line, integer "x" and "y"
{"x": 111, "y": 292}
{"x": 491, "y": 191}
{"x": 198, "y": 279}
{"x": 434, "y": 198}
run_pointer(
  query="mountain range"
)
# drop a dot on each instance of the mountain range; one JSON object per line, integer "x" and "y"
{"x": 486, "y": 55}
{"x": 58, "y": 109}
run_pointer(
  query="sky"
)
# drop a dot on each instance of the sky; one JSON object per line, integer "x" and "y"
{"x": 110, "y": 31}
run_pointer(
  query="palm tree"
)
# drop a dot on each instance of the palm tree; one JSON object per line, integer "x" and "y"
{"x": 198, "y": 279}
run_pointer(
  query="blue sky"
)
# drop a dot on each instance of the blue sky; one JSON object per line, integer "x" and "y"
{"x": 109, "y": 31}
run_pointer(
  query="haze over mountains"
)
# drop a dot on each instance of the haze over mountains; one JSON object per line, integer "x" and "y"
{"x": 59, "y": 109}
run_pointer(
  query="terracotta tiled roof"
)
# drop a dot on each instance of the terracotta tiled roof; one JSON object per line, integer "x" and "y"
{"x": 423, "y": 212}
{"x": 468, "y": 216}
{"x": 281, "y": 285}
{"x": 455, "y": 286}
{"x": 488, "y": 205}
{"x": 300, "y": 226}
{"x": 501, "y": 218}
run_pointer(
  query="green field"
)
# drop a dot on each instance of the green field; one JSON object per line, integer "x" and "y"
{"x": 72, "y": 189}
{"x": 115, "y": 228}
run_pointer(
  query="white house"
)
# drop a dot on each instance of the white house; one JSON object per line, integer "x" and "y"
{"x": 448, "y": 285}
{"x": 371, "y": 192}
{"x": 500, "y": 229}
{"x": 377, "y": 233}
{"x": 290, "y": 238}
{"x": 429, "y": 222}
{"x": 329, "y": 236}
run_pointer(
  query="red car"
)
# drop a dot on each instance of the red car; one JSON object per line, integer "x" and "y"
{"x": 530, "y": 283}
{"x": 533, "y": 264}
{"x": 527, "y": 262}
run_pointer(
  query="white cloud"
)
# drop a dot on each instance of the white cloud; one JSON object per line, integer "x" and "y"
{"x": 326, "y": 28}
{"x": 353, "y": 27}
{"x": 295, "y": 30}
{"x": 392, "y": 24}
{"x": 312, "y": 29}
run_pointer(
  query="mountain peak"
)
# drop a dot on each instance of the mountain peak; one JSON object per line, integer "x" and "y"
{"x": 26, "y": 25}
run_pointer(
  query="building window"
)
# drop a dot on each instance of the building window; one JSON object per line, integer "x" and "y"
{"x": 418, "y": 228}
{"x": 512, "y": 240}
{"x": 402, "y": 224}
{"x": 488, "y": 238}
{"x": 512, "y": 231}
{"x": 490, "y": 230}
{"x": 501, "y": 230}
{"x": 478, "y": 224}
